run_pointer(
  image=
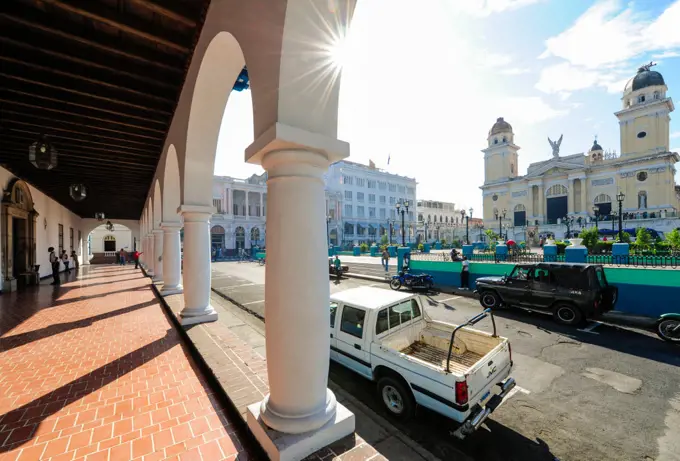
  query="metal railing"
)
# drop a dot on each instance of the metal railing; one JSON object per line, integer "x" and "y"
{"x": 666, "y": 262}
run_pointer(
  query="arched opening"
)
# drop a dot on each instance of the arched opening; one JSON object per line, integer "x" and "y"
{"x": 519, "y": 215}
{"x": 334, "y": 237}
{"x": 557, "y": 205}
{"x": 240, "y": 238}
{"x": 217, "y": 238}
{"x": 171, "y": 186}
{"x": 604, "y": 204}
{"x": 642, "y": 200}
{"x": 105, "y": 244}
{"x": 157, "y": 205}
{"x": 254, "y": 237}
{"x": 18, "y": 232}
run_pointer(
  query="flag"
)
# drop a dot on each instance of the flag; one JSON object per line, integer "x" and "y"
{"x": 388, "y": 158}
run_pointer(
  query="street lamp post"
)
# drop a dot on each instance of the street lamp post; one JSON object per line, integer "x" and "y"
{"x": 403, "y": 214}
{"x": 463, "y": 218}
{"x": 596, "y": 213}
{"x": 481, "y": 228}
{"x": 500, "y": 216}
{"x": 568, "y": 220}
{"x": 620, "y": 197}
{"x": 467, "y": 225}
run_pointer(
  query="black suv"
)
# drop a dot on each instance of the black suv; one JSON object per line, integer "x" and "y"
{"x": 570, "y": 292}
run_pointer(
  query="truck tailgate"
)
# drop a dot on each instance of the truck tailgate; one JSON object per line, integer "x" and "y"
{"x": 493, "y": 368}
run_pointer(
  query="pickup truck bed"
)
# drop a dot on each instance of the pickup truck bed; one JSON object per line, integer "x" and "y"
{"x": 430, "y": 354}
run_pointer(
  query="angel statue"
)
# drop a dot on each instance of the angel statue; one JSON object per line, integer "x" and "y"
{"x": 555, "y": 146}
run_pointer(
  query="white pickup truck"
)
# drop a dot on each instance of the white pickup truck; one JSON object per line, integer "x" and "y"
{"x": 387, "y": 337}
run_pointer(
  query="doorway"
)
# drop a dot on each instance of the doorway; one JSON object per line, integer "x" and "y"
{"x": 20, "y": 246}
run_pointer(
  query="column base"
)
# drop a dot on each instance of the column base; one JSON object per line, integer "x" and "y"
{"x": 156, "y": 279}
{"x": 167, "y": 291}
{"x": 291, "y": 447}
{"x": 205, "y": 315}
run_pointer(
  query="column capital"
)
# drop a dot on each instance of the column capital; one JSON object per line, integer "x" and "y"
{"x": 171, "y": 225}
{"x": 284, "y": 137}
{"x": 196, "y": 213}
{"x": 156, "y": 231}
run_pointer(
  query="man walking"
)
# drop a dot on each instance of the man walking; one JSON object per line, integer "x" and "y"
{"x": 465, "y": 274}
{"x": 54, "y": 261}
{"x": 385, "y": 259}
{"x": 135, "y": 255}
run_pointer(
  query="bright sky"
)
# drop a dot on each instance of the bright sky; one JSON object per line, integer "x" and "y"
{"x": 425, "y": 83}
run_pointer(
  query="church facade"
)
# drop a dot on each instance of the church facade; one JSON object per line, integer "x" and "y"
{"x": 583, "y": 187}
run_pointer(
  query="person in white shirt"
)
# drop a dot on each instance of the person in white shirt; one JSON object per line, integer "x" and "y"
{"x": 465, "y": 274}
{"x": 54, "y": 261}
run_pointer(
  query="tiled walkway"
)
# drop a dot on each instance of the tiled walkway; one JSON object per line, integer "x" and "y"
{"x": 93, "y": 370}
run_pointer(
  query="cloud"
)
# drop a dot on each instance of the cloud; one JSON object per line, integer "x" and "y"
{"x": 515, "y": 71}
{"x": 484, "y": 8}
{"x": 525, "y": 110}
{"x": 598, "y": 49}
{"x": 675, "y": 135}
{"x": 666, "y": 54}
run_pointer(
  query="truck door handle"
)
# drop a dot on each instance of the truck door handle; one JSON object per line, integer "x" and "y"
{"x": 357, "y": 346}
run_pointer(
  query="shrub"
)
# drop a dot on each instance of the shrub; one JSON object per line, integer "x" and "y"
{"x": 590, "y": 238}
{"x": 626, "y": 238}
{"x": 643, "y": 239}
{"x": 561, "y": 247}
{"x": 363, "y": 247}
{"x": 421, "y": 247}
{"x": 384, "y": 240}
{"x": 673, "y": 239}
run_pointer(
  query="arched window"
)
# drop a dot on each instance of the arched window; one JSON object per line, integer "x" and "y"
{"x": 109, "y": 243}
{"x": 557, "y": 190}
{"x": 602, "y": 198}
{"x": 240, "y": 235}
{"x": 505, "y": 139}
{"x": 520, "y": 207}
{"x": 255, "y": 235}
{"x": 495, "y": 140}
{"x": 642, "y": 200}
{"x": 429, "y": 218}
{"x": 420, "y": 217}
{"x": 447, "y": 219}
{"x": 657, "y": 95}
{"x": 641, "y": 98}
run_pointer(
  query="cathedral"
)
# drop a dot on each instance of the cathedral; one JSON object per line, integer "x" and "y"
{"x": 583, "y": 186}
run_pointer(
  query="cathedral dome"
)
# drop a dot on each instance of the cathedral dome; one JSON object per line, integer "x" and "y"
{"x": 643, "y": 79}
{"x": 596, "y": 147}
{"x": 501, "y": 126}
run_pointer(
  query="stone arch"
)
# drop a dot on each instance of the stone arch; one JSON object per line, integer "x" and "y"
{"x": 171, "y": 186}
{"x": 157, "y": 205}
{"x": 602, "y": 198}
{"x": 557, "y": 190}
{"x": 642, "y": 199}
{"x": 255, "y": 235}
{"x": 18, "y": 232}
{"x": 604, "y": 204}
{"x": 220, "y": 67}
{"x": 239, "y": 238}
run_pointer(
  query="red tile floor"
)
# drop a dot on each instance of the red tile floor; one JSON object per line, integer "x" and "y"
{"x": 93, "y": 370}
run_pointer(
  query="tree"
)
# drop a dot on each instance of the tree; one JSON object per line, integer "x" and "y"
{"x": 626, "y": 238}
{"x": 673, "y": 238}
{"x": 643, "y": 238}
{"x": 384, "y": 240}
{"x": 590, "y": 238}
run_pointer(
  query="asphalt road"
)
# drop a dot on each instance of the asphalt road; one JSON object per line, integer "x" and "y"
{"x": 608, "y": 393}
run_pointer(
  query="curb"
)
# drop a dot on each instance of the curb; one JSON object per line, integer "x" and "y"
{"x": 445, "y": 289}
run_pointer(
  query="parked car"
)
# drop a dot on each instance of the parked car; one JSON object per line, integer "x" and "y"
{"x": 570, "y": 292}
{"x": 387, "y": 337}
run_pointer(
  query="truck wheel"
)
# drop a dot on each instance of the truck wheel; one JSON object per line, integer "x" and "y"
{"x": 395, "y": 284}
{"x": 397, "y": 399}
{"x": 489, "y": 300}
{"x": 567, "y": 314}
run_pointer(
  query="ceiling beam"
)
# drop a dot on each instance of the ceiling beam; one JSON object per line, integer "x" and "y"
{"x": 88, "y": 107}
{"x": 43, "y": 108}
{"x": 144, "y": 57}
{"x": 127, "y": 134}
{"x": 165, "y": 12}
{"x": 88, "y": 63}
{"x": 45, "y": 128}
{"x": 84, "y": 162}
{"x": 79, "y": 148}
{"x": 96, "y": 12}
{"x": 100, "y": 83}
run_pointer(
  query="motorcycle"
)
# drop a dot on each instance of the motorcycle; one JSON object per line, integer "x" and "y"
{"x": 422, "y": 281}
{"x": 668, "y": 328}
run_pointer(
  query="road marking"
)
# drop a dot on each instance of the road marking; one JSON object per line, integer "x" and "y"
{"x": 238, "y": 286}
{"x": 512, "y": 392}
{"x": 449, "y": 299}
{"x": 252, "y": 302}
{"x": 590, "y": 328}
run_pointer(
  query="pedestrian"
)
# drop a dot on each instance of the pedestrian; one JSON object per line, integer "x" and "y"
{"x": 213, "y": 254}
{"x": 136, "y": 255}
{"x": 386, "y": 259}
{"x": 121, "y": 257}
{"x": 465, "y": 274}
{"x": 64, "y": 258}
{"x": 454, "y": 255}
{"x": 74, "y": 256}
{"x": 54, "y": 261}
{"x": 338, "y": 267}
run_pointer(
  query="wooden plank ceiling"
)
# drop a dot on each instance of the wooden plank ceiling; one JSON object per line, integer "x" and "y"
{"x": 101, "y": 79}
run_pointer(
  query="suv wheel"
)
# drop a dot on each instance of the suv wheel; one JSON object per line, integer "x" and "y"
{"x": 489, "y": 300}
{"x": 567, "y": 314}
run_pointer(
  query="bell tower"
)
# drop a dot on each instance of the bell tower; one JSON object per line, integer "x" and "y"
{"x": 500, "y": 156}
{"x": 645, "y": 118}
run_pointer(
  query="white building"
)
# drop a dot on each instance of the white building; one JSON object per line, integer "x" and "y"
{"x": 362, "y": 203}
{"x": 102, "y": 240}
{"x": 440, "y": 220}
{"x": 241, "y": 209}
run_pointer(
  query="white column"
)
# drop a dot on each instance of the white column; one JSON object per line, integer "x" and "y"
{"x": 157, "y": 255}
{"x": 247, "y": 209}
{"x": 172, "y": 258}
{"x": 85, "y": 261}
{"x": 197, "y": 308}
{"x": 231, "y": 200}
{"x": 570, "y": 197}
{"x": 584, "y": 196}
{"x": 150, "y": 254}
{"x": 297, "y": 352}
{"x": 261, "y": 206}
